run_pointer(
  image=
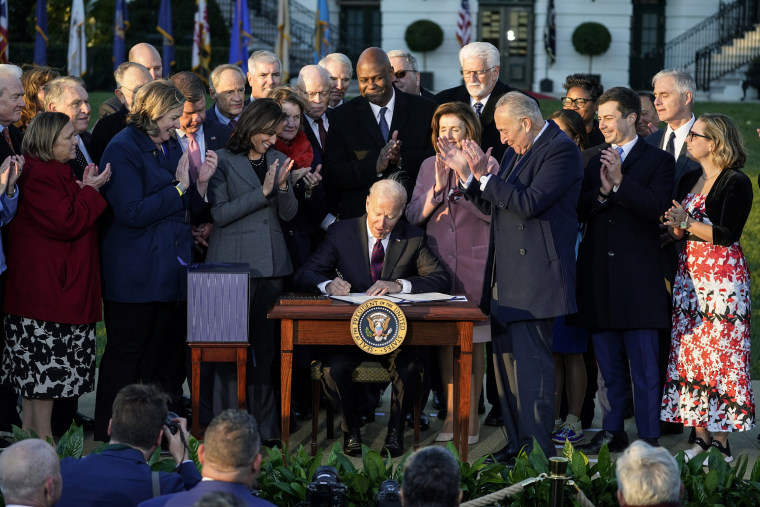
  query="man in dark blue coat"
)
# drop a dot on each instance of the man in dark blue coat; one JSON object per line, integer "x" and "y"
{"x": 231, "y": 461}
{"x": 622, "y": 298}
{"x": 530, "y": 272}
{"x": 120, "y": 474}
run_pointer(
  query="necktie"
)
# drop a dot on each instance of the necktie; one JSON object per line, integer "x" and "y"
{"x": 81, "y": 161}
{"x": 384, "y": 130}
{"x": 671, "y": 146}
{"x": 322, "y": 132}
{"x": 376, "y": 262}
{"x": 620, "y": 152}
{"x": 233, "y": 123}
{"x": 478, "y": 108}
{"x": 194, "y": 155}
{"x": 7, "y": 137}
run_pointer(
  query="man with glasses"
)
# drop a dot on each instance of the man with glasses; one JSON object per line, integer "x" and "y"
{"x": 623, "y": 302}
{"x": 374, "y": 136}
{"x": 406, "y": 77}
{"x": 129, "y": 78}
{"x": 582, "y": 92}
{"x": 482, "y": 88}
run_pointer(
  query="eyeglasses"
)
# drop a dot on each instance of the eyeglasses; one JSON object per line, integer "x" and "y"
{"x": 401, "y": 74}
{"x": 314, "y": 95}
{"x": 579, "y": 102}
{"x": 691, "y": 134}
{"x": 480, "y": 73}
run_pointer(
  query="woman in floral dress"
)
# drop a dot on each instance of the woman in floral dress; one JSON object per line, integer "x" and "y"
{"x": 708, "y": 382}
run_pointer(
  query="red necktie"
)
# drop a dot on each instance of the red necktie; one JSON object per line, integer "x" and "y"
{"x": 322, "y": 132}
{"x": 376, "y": 262}
{"x": 7, "y": 137}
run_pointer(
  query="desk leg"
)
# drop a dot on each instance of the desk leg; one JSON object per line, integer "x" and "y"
{"x": 463, "y": 366}
{"x": 196, "y": 360}
{"x": 286, "y": 347}
{"x": 242, "y": 356}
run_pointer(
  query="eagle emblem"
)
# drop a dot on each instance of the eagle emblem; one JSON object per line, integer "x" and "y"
{"x": 380, "y": 322}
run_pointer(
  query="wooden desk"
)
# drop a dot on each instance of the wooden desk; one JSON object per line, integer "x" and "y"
{"x": 428, "y": 324}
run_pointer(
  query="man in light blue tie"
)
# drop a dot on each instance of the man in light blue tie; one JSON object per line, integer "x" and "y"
{"x": 383, "y": 132}
{"x": 621, "y": 295}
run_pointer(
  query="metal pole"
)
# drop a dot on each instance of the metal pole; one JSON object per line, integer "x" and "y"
{"x": 557, "y": 469}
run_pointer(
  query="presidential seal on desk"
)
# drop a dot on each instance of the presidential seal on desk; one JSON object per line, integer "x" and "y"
{"x": 378, "y": 326}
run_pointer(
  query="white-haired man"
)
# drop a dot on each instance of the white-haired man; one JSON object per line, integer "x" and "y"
{"x": 264, "y": 73}
{"x": 227, "y": 90}
{"x": 648, "y": 476}
{"x": 340, "y": 69}
{"x": 67, "y": 95}
{"x": 482, "y": 88}
{"x": 30, "y": 474}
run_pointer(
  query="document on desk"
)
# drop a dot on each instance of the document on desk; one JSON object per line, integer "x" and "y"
{"x": 358, "y": 298}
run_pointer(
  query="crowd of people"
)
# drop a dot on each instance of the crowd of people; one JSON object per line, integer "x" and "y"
{"x": 595, "y": 241}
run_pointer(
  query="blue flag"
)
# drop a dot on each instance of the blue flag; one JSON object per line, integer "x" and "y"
{"x": 120, "y": 25}
{"x": 240, "y": 35}
{"x": 164, "y": 27}
{"x": 321, "y": 31}
{"x": 41, "y": 37}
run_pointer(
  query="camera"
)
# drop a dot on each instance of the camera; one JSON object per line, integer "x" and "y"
{"x": 325, "y": 490}
{"x": 173, "y": 428}
{"x": 389, "y": 494}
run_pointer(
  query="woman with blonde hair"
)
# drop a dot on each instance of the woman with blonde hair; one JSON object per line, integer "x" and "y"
{"x": 708, "y": 383}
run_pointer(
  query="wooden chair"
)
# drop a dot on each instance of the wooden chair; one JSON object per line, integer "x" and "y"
{"x": 366, "y": 372}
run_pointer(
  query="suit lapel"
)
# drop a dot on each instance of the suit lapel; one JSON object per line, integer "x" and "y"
{"x": 363, "y": 241}
{"x": 634, "y": 155}
{"x": 396, "y": 246}
{"x": 367, "y": 120}
{"x": 400, "y": 112}
{"x": 239, "y": 163}
{"x": 543, "y": 141}
{"x": 486, "y": 117}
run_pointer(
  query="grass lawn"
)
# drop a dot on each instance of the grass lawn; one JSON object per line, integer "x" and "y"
{"x": 747, "y": 118}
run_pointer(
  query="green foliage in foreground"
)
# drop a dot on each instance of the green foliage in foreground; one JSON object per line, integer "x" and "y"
{"x": 285, "y": 476}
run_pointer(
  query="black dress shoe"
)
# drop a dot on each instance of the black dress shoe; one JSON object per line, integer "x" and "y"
{"x": 616, "y": 441}
{"x": 301, "y": 415}
{"x": 272, "y": 443}
{"x": 651, "y": 441}
{"x": 424, "y": 421}
{"x": 439, "y": 401}
{"x": 494, "y": 418}
{"x": 4, "y": 443}
{"x": 442, "y": 413}
{"x": 670, "y": 428}
{"x": 87, "y": 423}
{"x": 504, "y": 456}
{"x": 352, "y": 443}
{"x": 394, "y": 443}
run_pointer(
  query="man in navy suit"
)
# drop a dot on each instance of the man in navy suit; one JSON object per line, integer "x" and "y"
{"x": 227, "y": 90}
{"x": 120, "y": 474}
{"x": 231, "y": 462}
{"x": 530, "y": 272}
{"x": 129, "y": 78}
{"x": 673, "y": 99}
{"x": 623, "y": 300}
{"x": 381, "y": 133}
{"x": 375, "y": 254}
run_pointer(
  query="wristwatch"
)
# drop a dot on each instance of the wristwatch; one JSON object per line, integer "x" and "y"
{"x": 685, "y": 224}
{"x": 401, "y": 284}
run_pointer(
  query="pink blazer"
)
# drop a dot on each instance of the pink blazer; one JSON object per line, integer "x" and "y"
{"x": 457, "y": 231}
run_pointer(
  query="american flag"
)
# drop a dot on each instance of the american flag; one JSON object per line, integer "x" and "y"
{"x": 464, "y": 24}
{"x": 3, "y": 31}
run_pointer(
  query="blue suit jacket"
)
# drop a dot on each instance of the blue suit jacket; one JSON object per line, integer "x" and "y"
{"x": 533, "y": 229}
{"x": 119, "y": 477}
{"x": 203, "y": 488}
{"x": 148, "y": 229}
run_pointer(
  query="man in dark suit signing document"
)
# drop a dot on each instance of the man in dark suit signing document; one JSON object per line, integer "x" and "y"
{"x": 375, "y": 254}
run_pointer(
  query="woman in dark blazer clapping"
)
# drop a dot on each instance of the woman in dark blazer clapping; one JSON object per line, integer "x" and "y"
{"x": 147, "y": 239}
{"x": 249, "y": 195}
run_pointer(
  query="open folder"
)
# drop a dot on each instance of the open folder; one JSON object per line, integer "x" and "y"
{"x": 358, "y": 298}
